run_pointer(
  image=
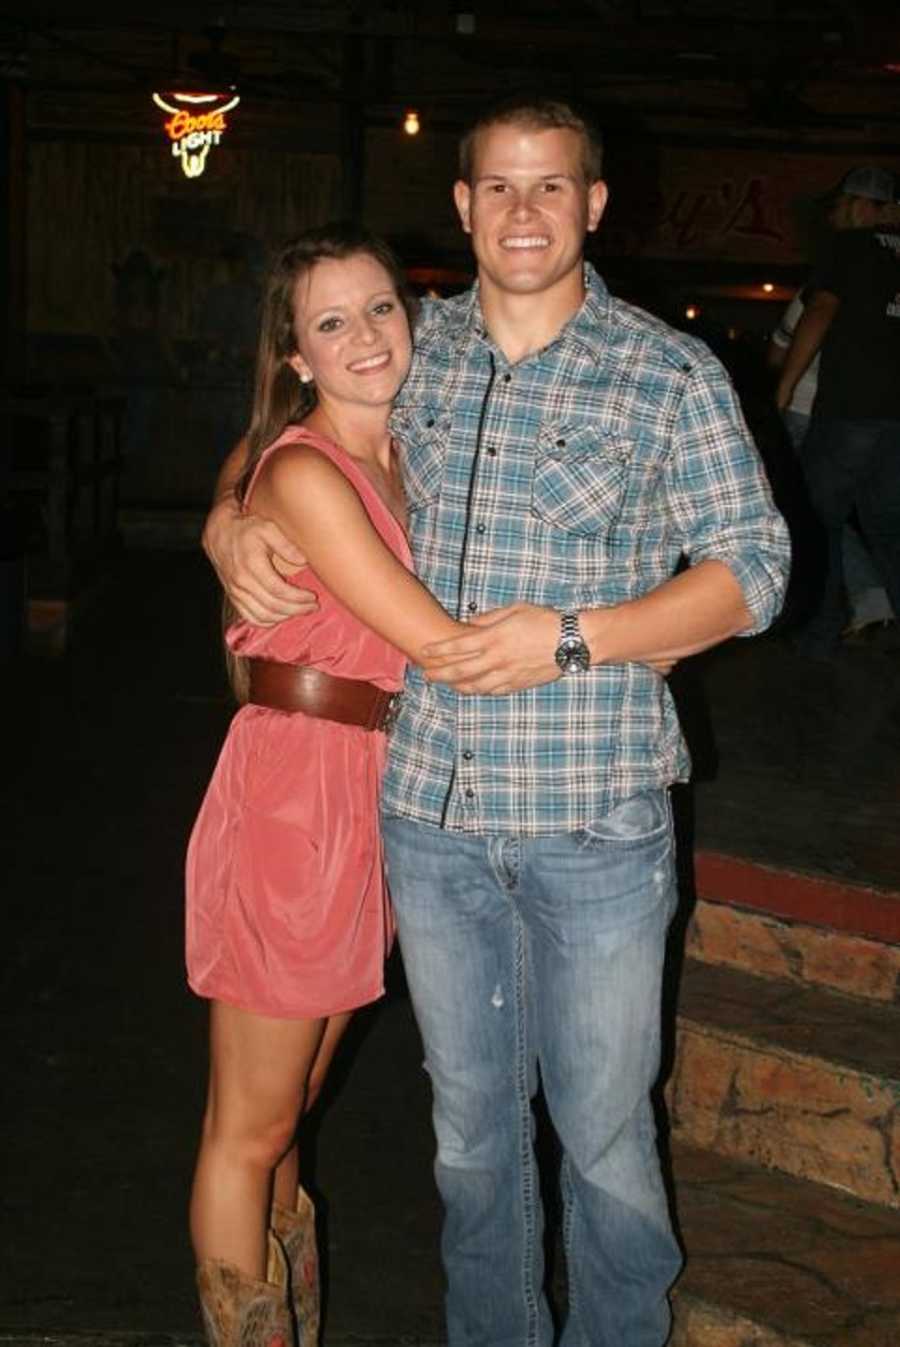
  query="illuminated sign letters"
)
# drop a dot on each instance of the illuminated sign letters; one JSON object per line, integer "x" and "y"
{"x": 194, "y": 126}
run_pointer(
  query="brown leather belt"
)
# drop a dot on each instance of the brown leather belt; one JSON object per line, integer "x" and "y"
{"x": 295, "y": 687}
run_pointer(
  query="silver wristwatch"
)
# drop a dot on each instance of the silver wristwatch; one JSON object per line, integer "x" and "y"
{"x": 572, "y": 654}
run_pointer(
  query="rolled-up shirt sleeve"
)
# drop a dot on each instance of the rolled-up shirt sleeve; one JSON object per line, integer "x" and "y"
{"x": 719, "y": 496}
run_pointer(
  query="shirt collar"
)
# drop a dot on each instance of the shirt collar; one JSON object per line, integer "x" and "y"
{"x": 588, "y": 327}
{"x": 590, "y": 324}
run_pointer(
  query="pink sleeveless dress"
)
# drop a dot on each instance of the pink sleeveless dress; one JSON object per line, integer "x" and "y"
{"x": 287, "y": 911}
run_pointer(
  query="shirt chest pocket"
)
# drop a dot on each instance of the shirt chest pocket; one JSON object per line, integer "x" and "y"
{"x": 423, "y": 433}
{"x": 580, "y": 478}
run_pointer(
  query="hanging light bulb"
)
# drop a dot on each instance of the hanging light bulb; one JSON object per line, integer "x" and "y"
{"x": 411, "y": 122}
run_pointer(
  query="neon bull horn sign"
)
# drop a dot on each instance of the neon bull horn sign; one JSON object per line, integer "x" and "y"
{"x": 196, "y": 123}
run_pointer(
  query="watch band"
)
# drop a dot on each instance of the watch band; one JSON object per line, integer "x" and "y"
{"x": 569, "y": 628}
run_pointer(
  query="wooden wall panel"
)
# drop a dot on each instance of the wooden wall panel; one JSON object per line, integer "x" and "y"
{"x": 91, "y": 204}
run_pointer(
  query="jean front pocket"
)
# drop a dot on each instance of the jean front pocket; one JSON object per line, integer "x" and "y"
{"x": 423, "y": 433}
{"x": 632, "y": 853}
{"x": 580, "y": 478}
{"x": 636, "y": 822}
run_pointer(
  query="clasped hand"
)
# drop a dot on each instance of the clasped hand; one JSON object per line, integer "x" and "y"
{"x": 505, "y": 650}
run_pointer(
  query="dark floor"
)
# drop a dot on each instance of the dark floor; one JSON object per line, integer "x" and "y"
{"x": 797, "y": 762}
{"x": 108, "y": 749}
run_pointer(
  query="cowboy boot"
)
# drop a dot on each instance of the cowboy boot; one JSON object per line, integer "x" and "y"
{"x": 297, "y": 1232}
{"x": 239, "y": 1311}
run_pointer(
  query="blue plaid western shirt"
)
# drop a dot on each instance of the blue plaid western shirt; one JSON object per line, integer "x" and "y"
{"x": 576, "y": 478}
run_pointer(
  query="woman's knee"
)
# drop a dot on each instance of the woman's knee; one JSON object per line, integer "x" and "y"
{"x": 257, "y": 1143}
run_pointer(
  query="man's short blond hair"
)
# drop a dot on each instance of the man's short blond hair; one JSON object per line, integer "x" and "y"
{"x": 535, "y": 114}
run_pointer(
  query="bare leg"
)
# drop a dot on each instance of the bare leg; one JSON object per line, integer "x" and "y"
{"x": 259, "y": 1069}
{"x": 287, "y": 1173}
{"x": 287, "y": 1176}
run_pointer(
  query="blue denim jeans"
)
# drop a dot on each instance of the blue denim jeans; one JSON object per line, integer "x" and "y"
{"x": 862, "y": 578}
{"x": 528, "y": 955}
{"x": 849, "y": 463}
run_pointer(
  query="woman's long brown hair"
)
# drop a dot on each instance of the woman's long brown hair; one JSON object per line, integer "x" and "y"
{"x": 279, "y": 398}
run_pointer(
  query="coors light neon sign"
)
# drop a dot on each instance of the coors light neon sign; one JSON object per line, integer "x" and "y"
{"x": 196, "y": 123}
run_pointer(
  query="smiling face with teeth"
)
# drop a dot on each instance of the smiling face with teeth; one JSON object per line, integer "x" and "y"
{"x": 527, "y": 208}
{"x": 351, "y": 331}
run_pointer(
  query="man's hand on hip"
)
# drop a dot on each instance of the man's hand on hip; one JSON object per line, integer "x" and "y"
{"x": 248, "y": 554}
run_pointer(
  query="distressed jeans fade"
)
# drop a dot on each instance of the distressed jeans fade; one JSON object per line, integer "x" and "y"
{"x": 544, "y": 954}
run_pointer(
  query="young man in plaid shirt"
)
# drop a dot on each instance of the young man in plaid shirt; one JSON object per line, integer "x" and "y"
{"x": 562, "y": 452}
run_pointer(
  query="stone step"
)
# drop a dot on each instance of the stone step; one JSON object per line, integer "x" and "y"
{"x": 806, "y": 929}
{"x": 138, "y": 1338}
{"x": 774, "y": 1261}
{"x": 797, "y": 1079}
{"x": 757, "y": 943}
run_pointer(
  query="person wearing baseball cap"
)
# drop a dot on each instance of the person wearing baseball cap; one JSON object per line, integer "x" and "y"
{"x": 851, "y": 456}
{"x": 852, "y": 198}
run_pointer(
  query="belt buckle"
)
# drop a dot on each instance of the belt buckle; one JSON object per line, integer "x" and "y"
{"x": 391, "y": 712}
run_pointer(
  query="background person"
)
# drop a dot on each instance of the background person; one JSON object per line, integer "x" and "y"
{"x": 851, "y": 455}
{"x": 869, "y": 603}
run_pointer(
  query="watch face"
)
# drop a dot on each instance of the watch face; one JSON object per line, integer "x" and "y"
{"x": 573, "y": 656}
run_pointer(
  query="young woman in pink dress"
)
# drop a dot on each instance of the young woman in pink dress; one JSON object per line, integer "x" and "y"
{"x": 288, "y": 921}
